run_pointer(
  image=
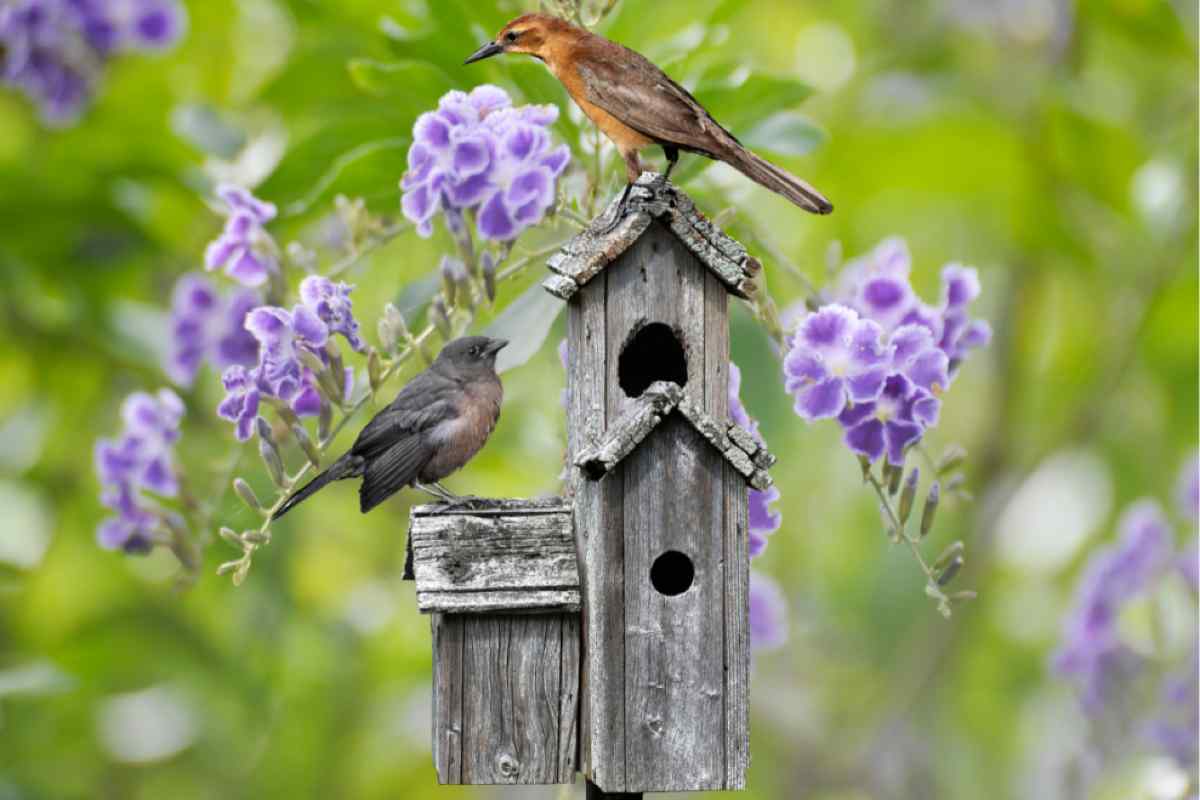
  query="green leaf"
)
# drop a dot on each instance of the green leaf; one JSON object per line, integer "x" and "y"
{"x": 525, "y": 323}
{"x": 786, "y": 133}
{"x": 398, "y": 78}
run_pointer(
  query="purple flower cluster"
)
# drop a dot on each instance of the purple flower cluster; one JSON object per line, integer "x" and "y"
{"x": 768, "y": 606}
{"x": 1093, "y": 655}
{"x": 245, "y": 250}
{"x": 1091, "y": 648}
{"x": 54, "y": 51}
{"x": 208, "y": 326}
{"x": 879, "y": 359}
{"x": 141, "y": 459}
{"x": 281, "y": 336}
{"x": 477, "y": 153}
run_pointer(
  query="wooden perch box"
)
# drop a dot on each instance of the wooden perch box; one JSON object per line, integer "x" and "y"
{"x": 502, "y": 584}
{"x": 646, "y": 689}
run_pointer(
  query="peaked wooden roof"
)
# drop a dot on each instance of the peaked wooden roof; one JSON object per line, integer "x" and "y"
{"x": 587, "y": 254}
{"x": 745, "y": 453}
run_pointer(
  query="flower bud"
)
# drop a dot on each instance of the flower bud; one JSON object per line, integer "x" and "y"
{"x": 270, "y": 454}
{"x": 247, "y": 494}
{"x": 337, "y": 372}
{"x": 387, "y": 336}
{"x": 909, "y": 494}
{"x": 952, "y": 552}
{"x": 324, "y": 421}
{"x": 440, "y": 319}
{"x": 257, "y": 537}
{"x": 228, "y": 567}
{"x": 488, "y": 265}
{"x": 454, "y": 274}
{"x": 231, "y": 537}
{"x": 374, "y": 370}
{"x": 930, "y": 510}
{"x": 891, "y": 476}
{"x": 950, "y": 571}
{"x": 306, "y": 444}
{"x": 952, "y": 457}
{"x": 284, "y": 412}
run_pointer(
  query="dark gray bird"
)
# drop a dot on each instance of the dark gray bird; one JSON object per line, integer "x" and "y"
{"x": 437, "y": 423}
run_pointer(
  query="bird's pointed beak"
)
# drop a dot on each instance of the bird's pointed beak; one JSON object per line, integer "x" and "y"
{"x": 487, "y": 51}
{"x": 496, "y": 346}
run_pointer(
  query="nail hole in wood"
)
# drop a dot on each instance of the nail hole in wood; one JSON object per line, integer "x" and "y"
{"x": 654, "y": 353}
{"x": 672, "y": 573}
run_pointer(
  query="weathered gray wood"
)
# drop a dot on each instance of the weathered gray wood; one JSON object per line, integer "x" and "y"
{"x": 499, "y": 682}
{"x": 447, "y": 697}
{"x": 514, "y": 556}
{"x": 600, "y": 244}
{"x": 628, "y": 431}
{"x": 674, "y": 660}
{"x": 736, "y": 611}
{"x": 602, "y": 710}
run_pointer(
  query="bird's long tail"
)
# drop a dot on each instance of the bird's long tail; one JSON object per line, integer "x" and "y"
{"x": 778, "y": 180}
{"x": 348, "y": 466}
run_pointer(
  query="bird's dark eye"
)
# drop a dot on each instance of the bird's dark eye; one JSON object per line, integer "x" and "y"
{"x": 475, "y": 350}
{"x": 511, "y": 36}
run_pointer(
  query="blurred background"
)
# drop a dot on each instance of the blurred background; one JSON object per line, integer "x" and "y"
{"x": 1052, "y": 144}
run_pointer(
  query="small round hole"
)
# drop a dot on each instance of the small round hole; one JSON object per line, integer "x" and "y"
{"x": 652, "y": 354}
{"x": 672, "y": 573}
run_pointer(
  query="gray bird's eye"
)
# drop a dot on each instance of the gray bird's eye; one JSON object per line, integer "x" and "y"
{"x": 511, "y": 36}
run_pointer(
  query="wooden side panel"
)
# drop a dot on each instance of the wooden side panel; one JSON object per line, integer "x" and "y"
{"x": 447, "y": 696}
{"x": 674, "y": 661}
{"x": 511, "y": 697}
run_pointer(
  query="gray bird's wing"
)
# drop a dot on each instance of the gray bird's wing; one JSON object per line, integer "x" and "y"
{"x": 425, "y": 401}
{"x": 392, "y": 470}
{"x": 634, "y": 90}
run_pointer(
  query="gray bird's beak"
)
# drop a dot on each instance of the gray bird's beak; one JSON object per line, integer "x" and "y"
{"x": 496, "y": 346}
{"x": 487, "y": 51}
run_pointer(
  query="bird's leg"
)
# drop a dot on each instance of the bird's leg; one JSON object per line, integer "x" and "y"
{"x": 633, "y": 171}
{"x": 436, "y": 490}
{"x": 458, "y": 501}
{"x": 672, "y": 154}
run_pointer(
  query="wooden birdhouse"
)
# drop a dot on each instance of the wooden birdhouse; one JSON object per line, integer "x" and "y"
{"x": 647, "y": 689}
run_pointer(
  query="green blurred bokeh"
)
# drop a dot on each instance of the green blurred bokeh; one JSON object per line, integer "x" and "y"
{"x": 1050, "y": 143}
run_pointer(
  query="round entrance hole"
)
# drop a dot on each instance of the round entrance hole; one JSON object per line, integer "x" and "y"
{"x": 654, "y": 353}
{"x": 672, "y": 573}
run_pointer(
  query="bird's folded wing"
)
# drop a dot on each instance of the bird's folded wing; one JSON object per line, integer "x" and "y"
{"x": 420, "y": 406}
{"x": 642, "y": 96}
{"x": 393, "y": 469}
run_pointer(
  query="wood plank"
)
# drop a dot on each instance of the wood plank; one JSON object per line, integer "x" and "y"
{"x": 568, "y": 692}
{"x": 464, "y": 562}
{"x": 674, "y": 663}
{"x": 447, "y": 697}
{"x": 736, "y": 613}
{"x": 512, "y": 707}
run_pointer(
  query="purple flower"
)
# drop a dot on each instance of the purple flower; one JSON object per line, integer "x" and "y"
{"x": 960, "y": 333}
{"x": 763, "y": 521}
{"x": 1091, "y": 653}
{"x": 768, "y": 613}
{"x": 331, "y": 303}
{"x": 892, "y": 423}
{"x": 1188, "y": 563}
{"x": 242, "y": 396}
{"x": 245, "y": 251}
{"x": 140, "y": 459}
{"x": 206, "y": 326}
{"x": 476, "y": 152}
{"x": 1176, "y": 729}
{"x": 54, "y": 51}
{"x": 835, "y": 359}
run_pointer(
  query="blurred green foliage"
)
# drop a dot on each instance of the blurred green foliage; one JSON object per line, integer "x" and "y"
{"x": 1051, "y": 143}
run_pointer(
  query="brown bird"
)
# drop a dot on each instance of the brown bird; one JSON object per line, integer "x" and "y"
{"x": 436, "y": 424}
{"x": 636, "y": 105}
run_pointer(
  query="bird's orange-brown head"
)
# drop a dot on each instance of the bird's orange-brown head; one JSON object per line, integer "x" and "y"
{"x": 535, "y": 34}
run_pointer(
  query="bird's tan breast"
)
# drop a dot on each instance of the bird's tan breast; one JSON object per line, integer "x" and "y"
{"x": 457, "y": 440}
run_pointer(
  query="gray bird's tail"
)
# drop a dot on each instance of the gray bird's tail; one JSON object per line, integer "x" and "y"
{"x": 778, "y": 180}
{"x": 348, "y": 466}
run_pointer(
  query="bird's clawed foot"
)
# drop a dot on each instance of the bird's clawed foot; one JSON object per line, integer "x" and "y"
{"x": 449, "y": 499}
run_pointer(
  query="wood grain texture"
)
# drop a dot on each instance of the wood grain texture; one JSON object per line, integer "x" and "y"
{"x": 506, "y": 683}
{"x": 674, "y": 660}
{"x": 514, "y": 556}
